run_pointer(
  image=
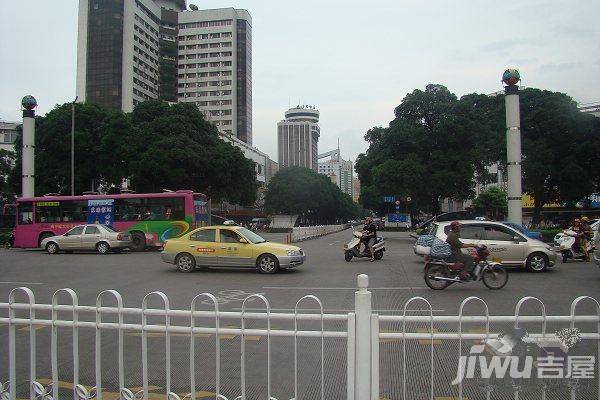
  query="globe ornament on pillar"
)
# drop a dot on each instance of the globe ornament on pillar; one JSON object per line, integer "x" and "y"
{"x": 511, "y": 77}
{"x": 29, "y": 102}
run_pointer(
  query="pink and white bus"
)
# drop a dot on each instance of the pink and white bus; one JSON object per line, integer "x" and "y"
{"x": 150, "y": 218}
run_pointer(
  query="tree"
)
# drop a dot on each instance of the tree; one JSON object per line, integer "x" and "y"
{"x": 425, "y": 153}
{"x": 157, "y": 147}
{"x": 492, "y": 203}
{"x": 302, "y": 191}
{"x": 6, "y": 160}
{"x": 560, "y": 147}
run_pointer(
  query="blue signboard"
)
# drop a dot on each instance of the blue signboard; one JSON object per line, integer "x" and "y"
{"x": 397, "y": 218}
{"x": 201, "y": 211}
{"x": 595, "y": 200}
{"x": 389, "y": 199}
{"x": 101, "y": 211}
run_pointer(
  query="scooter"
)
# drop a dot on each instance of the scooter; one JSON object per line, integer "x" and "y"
{"x": 568, "y": 249}
{"x": 352, "y": 248}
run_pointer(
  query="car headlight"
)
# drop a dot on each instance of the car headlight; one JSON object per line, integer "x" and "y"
{"x": 293, "y": 252}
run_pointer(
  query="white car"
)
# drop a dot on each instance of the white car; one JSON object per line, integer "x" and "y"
{"x": 97, "y": 237}
{"x": 506, "y": 244}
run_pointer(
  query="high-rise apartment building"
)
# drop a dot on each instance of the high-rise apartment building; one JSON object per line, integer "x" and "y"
{"x": 298, "y": 138}
{"x": 339, "y": 170}
{"x": 135, "y": 50}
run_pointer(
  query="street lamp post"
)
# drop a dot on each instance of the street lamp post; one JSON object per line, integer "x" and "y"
{"x": 73, "y": 147}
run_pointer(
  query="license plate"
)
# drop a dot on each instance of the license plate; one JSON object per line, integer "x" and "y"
{"x": 496, "y": 259}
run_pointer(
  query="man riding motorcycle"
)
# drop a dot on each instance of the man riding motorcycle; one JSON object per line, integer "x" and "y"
{"x": 457, "y": 255}
{"x": 587, "y": 235}
{"x": 369, "y": 236}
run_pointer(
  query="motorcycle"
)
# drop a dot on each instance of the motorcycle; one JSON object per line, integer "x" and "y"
{"x": 568, "y": 249}
{"x": 439, "y": 274}
{"x": 352, "y": 248}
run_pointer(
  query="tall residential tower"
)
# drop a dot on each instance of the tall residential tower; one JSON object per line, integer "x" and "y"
{"x": 129, "y": 51}
{"x": 298, "y": 138}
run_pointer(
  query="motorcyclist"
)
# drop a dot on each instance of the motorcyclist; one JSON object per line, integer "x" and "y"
{"x": 457, "y": 255}
{"x": 369, "y": 236}
{"x": 587, "y": 235}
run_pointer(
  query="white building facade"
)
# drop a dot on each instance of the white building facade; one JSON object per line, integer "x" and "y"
{"x": 8, "y": 135}
{"x": 298, "y": 138}
{"x": 263, "y": 164}
{"x": 339, "y": 170}
{"x": 130, "y": 51}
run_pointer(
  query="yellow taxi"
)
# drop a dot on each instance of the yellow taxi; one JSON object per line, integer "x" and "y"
{"x": 229, "y": 246}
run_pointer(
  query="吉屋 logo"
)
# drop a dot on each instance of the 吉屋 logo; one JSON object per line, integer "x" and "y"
{"x": 519, "y": 356}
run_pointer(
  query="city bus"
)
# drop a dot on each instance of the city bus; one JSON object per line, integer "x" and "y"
{"x": 150, "y": 218}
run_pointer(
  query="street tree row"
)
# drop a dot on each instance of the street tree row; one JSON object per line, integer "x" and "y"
{"x": 438, "y": 146}
{"x": 157, "y": 146}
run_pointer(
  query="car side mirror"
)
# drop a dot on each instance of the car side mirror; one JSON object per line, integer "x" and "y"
{"x": 516, "y": 238}
{"x": 66, "y": 234}
{"x": 244, "y": 241}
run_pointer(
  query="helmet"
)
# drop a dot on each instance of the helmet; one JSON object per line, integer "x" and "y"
{"x": 584, "y": 219}
{"x": 455, "y": 224}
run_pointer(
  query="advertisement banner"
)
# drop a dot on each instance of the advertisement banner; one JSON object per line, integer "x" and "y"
{"x": 101, "y": 211}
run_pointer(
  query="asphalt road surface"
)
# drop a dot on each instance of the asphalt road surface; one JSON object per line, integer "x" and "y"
{"x": 393, "y": 281}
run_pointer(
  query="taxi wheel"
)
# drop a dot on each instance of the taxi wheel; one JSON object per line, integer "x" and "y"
{"x": 267, "y": 264}
{"x": 185, "y": 263}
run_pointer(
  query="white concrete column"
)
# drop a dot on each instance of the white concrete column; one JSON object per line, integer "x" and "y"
{"x": 513, "y": 154}
{"x": 28, "y": 167}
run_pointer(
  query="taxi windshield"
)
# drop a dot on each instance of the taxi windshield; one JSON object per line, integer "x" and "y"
{"x": 251, "y": 236}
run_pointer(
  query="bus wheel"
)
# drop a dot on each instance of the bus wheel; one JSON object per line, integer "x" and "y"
{"x": 138, "y": 241}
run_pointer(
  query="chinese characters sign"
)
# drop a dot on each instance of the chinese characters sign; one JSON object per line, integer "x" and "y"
{"x": 101, "y": 211}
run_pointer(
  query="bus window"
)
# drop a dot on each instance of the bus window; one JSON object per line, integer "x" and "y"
{"x": 47, "y": 211}
{"x": 129, "y": 209}
{"x": 165, "y": 208}
{"x": 74, "y": 211}
{"x": 25, "y": 213}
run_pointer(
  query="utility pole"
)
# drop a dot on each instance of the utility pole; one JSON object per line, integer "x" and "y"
{"x": 73, "y": 147}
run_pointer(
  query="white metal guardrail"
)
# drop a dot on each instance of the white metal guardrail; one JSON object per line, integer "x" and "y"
{"x": 363, "y": 335}
{"x": 309, "y": 232}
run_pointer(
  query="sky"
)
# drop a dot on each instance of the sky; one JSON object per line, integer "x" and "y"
{"x": 354, "y": 61}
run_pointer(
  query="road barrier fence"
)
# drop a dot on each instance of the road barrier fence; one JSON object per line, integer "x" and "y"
{"x": 363, "y": 330}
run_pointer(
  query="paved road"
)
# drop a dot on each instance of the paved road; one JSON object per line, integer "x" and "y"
{"x": 393, "y": 281}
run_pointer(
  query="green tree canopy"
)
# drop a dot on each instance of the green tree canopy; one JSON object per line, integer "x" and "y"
{"x": 297, "y": 190}
{"x": 438, "y": 146}
{"x": 492, "y": 202}
{"x": 157, "y": 146}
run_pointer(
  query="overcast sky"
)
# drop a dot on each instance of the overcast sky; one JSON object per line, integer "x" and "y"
{"x": 354, "y": 60}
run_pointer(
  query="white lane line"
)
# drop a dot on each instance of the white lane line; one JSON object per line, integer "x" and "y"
{"x": 22, "y": 283}
{"x": 331, "y": 310}
{"x": 343, "y": 288}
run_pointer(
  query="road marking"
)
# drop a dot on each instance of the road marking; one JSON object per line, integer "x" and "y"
{"x": 450, "y": 398}
{"x": 35, "y": 327}
{"x": 326, "y": 310}
{"x": 115, "y": 396}
{"x": 344, "y": 288}
{"x": 21, "y": 283}
{"x": 162, "y": 334}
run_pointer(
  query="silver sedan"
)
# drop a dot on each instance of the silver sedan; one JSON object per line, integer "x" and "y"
{"x": 97, "y": 237}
